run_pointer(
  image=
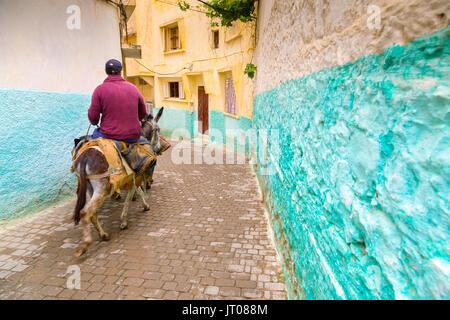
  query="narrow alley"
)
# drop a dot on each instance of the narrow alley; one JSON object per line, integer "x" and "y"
{"x": 335, "y": 115}
{"x": 205, "y": 237}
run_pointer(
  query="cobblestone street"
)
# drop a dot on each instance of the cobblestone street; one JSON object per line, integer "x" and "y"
{"x": 205, "y": 237}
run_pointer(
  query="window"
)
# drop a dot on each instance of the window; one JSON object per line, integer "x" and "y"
{"x": 171, "y": 36}
{"x": 216, "y": 38}
{"x": 230, "y": 97}
{"x": 173, "y": 89}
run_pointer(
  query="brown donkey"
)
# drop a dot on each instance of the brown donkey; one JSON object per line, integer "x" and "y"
{"x": 94, "y": 187}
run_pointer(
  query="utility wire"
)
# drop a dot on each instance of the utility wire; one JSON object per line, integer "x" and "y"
{"x": 175, "y": 4}
{"x": 123, "y": 13}
{"x": 161, "y": 74}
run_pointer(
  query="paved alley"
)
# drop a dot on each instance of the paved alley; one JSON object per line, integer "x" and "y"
{"x": 205, "y": 237}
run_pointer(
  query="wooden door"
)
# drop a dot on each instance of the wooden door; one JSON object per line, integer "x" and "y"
{"x": 203, "y": 111}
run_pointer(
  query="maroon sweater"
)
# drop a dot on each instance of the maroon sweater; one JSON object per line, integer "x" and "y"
{"x": 121, "y": 105}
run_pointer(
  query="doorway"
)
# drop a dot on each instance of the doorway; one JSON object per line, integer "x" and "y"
{"x": 203, "y": 111}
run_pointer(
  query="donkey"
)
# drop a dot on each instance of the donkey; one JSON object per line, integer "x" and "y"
{"x": 94, "y": 187}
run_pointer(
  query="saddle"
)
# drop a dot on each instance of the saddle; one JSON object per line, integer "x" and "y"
{"x": 128, "y": 162}
{"x": 139, "y": 155}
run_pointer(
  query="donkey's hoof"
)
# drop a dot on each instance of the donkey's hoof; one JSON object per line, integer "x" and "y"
{"x": 146, "y": 208}
{"x": 123, "y": 226}
{"x": 105, "y": 237}
{"x": 80, "y": 251}
{"x": 115, "y": 196}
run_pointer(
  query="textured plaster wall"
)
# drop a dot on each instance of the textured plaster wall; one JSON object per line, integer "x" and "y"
{"x": 298, "y": 37}
{"x": 40, "y": 57}
{"x": 39, "y": 52}
{"x": 359, "y": 168}
{"x": 36, "y": 137}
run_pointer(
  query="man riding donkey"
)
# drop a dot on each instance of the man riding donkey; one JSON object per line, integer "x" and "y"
{"x": 120, "y": 154}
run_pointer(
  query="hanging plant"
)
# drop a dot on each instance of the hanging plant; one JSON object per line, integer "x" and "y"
{"x": 250, "y": 70}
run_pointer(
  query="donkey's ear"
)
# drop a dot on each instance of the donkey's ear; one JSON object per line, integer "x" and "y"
{"x": 158, "y": 116}
{"x": 149, "y": 117}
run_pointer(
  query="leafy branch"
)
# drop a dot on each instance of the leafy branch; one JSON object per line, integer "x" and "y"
{"x": 227, "y": 11}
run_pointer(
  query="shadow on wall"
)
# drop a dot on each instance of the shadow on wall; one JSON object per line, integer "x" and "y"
{"x": 359, "y": 190}
{"x": 36, "y": 139}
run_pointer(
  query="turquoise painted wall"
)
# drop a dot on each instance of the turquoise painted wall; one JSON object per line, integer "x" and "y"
{"x": 175, "y": 119}
{"x": 360, "y": 168}
{"x": 36, "y": 139}
{"x": 230, "y": 129}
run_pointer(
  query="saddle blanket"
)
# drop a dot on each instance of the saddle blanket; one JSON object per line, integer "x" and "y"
{"x": 128, "y": 162}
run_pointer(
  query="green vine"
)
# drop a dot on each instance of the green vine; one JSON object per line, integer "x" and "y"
{"x": 227, "y": 11}
{"x": 183, "y": 5}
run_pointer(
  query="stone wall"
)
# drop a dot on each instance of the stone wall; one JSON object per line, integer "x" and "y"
{"x": 355, "y": 169}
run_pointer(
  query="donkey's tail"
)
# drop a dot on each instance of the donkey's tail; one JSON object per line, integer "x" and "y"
{"x": 81, "y": 190}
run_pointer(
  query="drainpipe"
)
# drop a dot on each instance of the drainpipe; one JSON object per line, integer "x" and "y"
{"x": 119, "y": 12}
{"x": 124, "y": 64}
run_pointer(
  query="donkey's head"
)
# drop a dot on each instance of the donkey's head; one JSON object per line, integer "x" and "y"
{"x": 151, "y": 130}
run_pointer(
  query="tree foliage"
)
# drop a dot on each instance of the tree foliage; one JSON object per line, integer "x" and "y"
{"x": 227, "y": 11}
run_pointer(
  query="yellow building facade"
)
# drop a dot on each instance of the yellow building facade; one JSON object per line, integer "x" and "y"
{"x": 194, "y": 70}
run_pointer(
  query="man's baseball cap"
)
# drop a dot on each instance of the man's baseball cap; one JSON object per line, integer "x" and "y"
{"x": 113, "y": 66}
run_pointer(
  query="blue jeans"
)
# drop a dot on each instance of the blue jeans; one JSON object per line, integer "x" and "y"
{"x": 98, "y": 134}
